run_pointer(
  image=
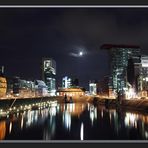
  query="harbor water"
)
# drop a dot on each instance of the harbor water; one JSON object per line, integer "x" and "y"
{"x": 74, "y": 121}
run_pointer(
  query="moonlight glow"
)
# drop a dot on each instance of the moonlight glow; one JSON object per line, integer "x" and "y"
{"x": 80, "y": 53}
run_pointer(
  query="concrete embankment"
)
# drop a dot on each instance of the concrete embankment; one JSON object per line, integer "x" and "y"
{"x": 136, "y": 104}
{"x": 101, "y": 101}
{"x": 7, "y": 103}
{"x": 132, "y": 104}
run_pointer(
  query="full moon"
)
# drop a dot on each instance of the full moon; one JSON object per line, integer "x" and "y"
{"x": 80, "y": 53}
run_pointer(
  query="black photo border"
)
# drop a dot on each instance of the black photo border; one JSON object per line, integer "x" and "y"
{"x": 73, "y": 2}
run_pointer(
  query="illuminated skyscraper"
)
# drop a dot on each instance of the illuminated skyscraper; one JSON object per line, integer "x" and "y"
{"x": 93, "y": 87}
{"x": 66, "y": 82}
{"x": 133, "y": 72}
{"x": 143, "y": 78}
{"x": 49, "y": 73}
{"x": 119, "y": 55}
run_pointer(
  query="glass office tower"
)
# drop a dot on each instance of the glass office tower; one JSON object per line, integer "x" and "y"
{"x": 119, "y": 55}
{"x": 49, "y": 73}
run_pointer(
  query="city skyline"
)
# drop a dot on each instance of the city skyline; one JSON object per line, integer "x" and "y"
{"x": 30, "y": 34}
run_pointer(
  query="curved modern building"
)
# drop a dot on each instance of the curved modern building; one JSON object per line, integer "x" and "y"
{"x": 3, "y": 86}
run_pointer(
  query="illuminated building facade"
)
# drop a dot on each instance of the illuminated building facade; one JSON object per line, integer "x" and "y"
{"x": 74, "y": 92}
{"x": 16, "y": 86}
{"x": 3, "y": 86}
{"x": 66, "y": 82}
{"x": 133, "y": 72}
{"x": 143, "y": 78}
{"x": 27, "y": 88}
{"x": 2, "y": 130}
{"x": 49, "y": 73}
{"x": 104, "y": 89}
{"x": 93, "y": 87}
{"x": 3, "y": 83}
{"x": 119, "y": 55}
{"x": 41, "y": 88}
{"x": 20, "y": 88}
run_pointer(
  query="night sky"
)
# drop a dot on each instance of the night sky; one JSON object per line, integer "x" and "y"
{"x": 28, "y": 34}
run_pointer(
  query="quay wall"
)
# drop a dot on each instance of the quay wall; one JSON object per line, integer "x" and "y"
{"x": 133, "y": 104}
{"x": 7, "y": 103}
{"x": 136, "y": 104}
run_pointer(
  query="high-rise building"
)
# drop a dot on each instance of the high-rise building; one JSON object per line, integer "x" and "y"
{"x": 16, "y": 86}
{"x": 27, "y": 88}
{"x": 66, "y": 82}
{"x": 49, "y": 73}
{"x": 143, "y": 78}
{"x": 93, "y": 87}
{"x": 104, "y": 89}
{"x": 133, "y": 72}
{"x": 119, "y": 55}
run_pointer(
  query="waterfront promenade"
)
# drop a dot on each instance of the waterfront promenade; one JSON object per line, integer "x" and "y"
{"x": 135, "y": 104}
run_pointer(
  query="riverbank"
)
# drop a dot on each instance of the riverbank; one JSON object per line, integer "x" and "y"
{"x": 7, "y": 103}
{"x": 14, "y": 102}
{"x": 82, "y": 99}
{"x": 132, "y": 104}
{"x": 14, "y": 105}
{"x": 139, "y": 104}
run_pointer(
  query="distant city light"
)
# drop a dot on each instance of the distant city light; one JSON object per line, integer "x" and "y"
{"x": 130, "y": 93}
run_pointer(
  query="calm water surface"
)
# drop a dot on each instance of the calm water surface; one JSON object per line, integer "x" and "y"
{"x": 76, "y": 121}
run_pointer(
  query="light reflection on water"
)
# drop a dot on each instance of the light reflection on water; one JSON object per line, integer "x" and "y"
{"x": 82, "y": 132}
{"x": 75, "y": 122}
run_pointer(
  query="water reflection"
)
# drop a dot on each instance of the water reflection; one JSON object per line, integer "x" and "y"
{"x": 69, "y": 111}
{"x": 52, "y": 111}
{"x": 67, "y": 120}
{"x": 75, "y": 121}
{"x": 93, "y": 113}
{"x": 50, "y": 124}
{"x": 138, "y": 122}
{"x": 2, "y": 130}
{"x": 10, "y": 127}
{"x": 82, "y": 132}
{"x": 32, "y": 117}
{"x": 130, "y": 120}
{"x": 75, "y": 109}
{"x": 22, "y": 122}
